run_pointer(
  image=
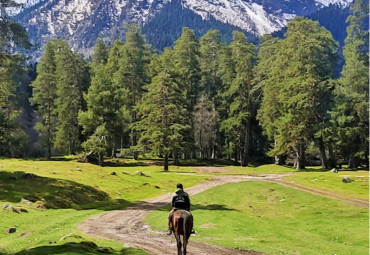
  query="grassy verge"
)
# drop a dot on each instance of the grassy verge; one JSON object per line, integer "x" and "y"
{"x": 64, "y": 193}
{"x": 358, "y": 188}
{"x": 275, "y": 219}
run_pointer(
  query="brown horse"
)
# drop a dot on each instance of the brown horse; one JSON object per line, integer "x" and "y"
{"x": 181, "y": 223}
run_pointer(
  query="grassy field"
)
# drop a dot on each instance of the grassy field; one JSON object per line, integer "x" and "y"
{"x": 275, "y": 219}
{"x": 65, "y": 193}
{"x": 358, "y": 188}
{"x": 315, "y": 177}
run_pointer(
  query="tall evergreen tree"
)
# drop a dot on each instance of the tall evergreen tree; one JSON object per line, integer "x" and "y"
{"x": 12, "y": 35}
{"x": 104, "y": 120}
{"x": 132, "y": 73}
{"x": 351, "y": 113}
{"x": 209, "y": 61}
{"x": 44, "y": 97}
{"x": 164, "y": 120}
{"x": 211, "y": 84}
{"x": 100, "y": 55}
{"x": 267, "y": 54}
{"x": 304, "y": 63}
{"x": 70, "y": 87}
{"x": 238, "y": 123}
{"x": 186, "y": 65}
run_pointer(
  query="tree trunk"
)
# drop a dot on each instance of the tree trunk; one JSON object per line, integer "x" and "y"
{"x": 219, "y": 145}
{"x": 245, "y": 157}
{"x": 101, "y": 159}
{"x": 351, "y": 161}
{"x": 332, "y": 158}
{"x": 300, "y": 157}
{"x": 114, "y": 147}
{"x": 176, "y": 158}
{"x": 49, "y": 148}
{"x": 236, "y": 158}
{"x": 166, "y": 162}
{"x": 280, "y": 160}
{"x": 324, "y": 161}
{"x": 134, "y": 141}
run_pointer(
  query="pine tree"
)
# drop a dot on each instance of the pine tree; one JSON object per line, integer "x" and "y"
{"x": 100, "y": 55}
{"x": 44, "y": 96}
{"x": 268, "y": 112}
{"x": 12, "y": 35}
{"x": 132, "y": 73}
{"x": 237, "y": 126}
{"x": 70, "y": 87}
{"x": 296, "y": 87}
{"x": 185, "y": 54}
{"x": 211, "y": 84}
{"x": 105, "y": 118}
{"x": 209, "y": 61}
{"x": 351, "y": 113}
{"x": 164, "y": 120}
{"x": 186, "y": 66}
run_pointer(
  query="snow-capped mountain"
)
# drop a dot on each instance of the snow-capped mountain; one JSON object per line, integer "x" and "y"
{"x": 82, "y": 21}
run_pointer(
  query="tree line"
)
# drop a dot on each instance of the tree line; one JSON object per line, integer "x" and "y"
{"x": 280, "y": 100}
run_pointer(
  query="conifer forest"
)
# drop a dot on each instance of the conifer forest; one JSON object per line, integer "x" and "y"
{"x": 300, "y": 99}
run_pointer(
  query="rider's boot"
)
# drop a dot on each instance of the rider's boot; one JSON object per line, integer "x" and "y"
{"x": 192, "y": 231}
{"x": 169, "y": 232}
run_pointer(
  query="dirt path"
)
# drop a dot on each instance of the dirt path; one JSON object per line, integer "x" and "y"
{"x": 127, "y": 226}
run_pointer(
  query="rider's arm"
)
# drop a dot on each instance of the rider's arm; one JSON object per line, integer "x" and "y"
{"x": 173, "y": 201}
{"x": 187, "y": 200}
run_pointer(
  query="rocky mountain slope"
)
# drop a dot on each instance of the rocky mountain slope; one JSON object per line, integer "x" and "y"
{"x": 82, "y": 21}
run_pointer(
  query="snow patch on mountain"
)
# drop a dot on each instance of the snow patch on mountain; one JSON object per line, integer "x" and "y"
{"x": 343, "y": 3}
{"x": 244, "y": 14}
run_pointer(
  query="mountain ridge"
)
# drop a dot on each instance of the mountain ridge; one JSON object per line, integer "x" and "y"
{"x": 82, "y": 21}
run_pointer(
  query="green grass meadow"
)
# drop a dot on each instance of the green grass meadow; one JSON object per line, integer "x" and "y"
{"x": 256, "y": 215}
{"x": 275, "y": 219}
{"x": 67, "y": 192}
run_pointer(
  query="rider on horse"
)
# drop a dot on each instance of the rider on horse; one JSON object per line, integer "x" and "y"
{"x": 180, "y": 200}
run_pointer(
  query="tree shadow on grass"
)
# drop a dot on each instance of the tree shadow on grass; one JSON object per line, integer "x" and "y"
{"x": 83, "y": 247}
{"x": 121, "y": 163}
{"x": 212, "y": 207}
{"x": 54, "y": 193}
{"x": 61, "y": 158}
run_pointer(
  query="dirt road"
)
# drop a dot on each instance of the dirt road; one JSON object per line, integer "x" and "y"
{"x": 127, "y": 226}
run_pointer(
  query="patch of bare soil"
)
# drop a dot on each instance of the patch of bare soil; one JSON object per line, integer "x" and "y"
{"x": 210, "y": 169}
{"x": 127, "y": 226}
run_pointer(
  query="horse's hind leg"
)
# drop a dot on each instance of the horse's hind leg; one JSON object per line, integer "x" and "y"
{"x": 185, "y": 243}
{"x": 178, "y": 241}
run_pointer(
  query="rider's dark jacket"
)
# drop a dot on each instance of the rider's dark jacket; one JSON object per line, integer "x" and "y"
{"x": 180, "y": 200}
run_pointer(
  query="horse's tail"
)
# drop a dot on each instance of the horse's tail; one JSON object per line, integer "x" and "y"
{"x": 184, "y": 223}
